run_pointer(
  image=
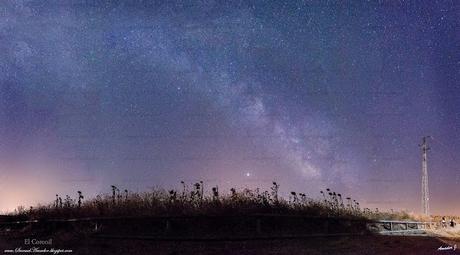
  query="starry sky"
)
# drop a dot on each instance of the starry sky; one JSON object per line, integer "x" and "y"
{"x": 311, "y": 94}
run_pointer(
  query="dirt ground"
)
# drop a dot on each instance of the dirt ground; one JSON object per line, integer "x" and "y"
{"x": 336, "y": 245}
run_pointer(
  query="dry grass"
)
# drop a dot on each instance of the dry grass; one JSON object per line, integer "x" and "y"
{"x": 194, "y": 201}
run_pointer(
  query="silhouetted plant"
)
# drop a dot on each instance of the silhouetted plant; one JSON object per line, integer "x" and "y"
{"x": 184, "y": 190}
{"x": 202, "y": 190}
{"x": 275, "y": 188}
{"x": 68, "y": 201}
{"x": 118, "y": 196}
{"x": 172, "y": 195}
{"x": 215, "y": 193}
{"x": 341, "y": 201}
{"x": 294, "y": 197}
{"x": 197, "y": 191}
{"x": 56, "y": 202}
{"x": 114, "y": 188}
{"x": 233, "y": 193}
{"x": 303, "y": 198}
{"x": 80, "y": 197}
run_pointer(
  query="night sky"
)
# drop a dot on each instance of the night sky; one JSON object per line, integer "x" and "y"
{"x": 311, "y": 94}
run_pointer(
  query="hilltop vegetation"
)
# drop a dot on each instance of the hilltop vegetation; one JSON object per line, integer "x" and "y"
{"x": 194, "y": 201}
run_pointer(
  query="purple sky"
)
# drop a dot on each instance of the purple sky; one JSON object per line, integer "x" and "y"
{"x": 311, "y": 94}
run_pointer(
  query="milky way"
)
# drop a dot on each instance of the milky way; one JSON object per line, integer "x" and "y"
{"x": 311, "y": 94}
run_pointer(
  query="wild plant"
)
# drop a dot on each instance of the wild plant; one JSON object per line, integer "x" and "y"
{"x": 80, "y": 197}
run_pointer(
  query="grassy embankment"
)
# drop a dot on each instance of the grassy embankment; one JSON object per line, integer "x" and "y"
{"x": 190, "y": 201}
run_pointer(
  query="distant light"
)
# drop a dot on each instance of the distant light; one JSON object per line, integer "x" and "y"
{"x": 248, "y": 174}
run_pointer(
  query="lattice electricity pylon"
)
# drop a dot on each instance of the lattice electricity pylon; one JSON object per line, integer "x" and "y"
{"x": 425, "y": 192}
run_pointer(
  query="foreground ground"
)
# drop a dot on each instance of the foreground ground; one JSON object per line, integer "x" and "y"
{"x": 128, "y": 236}
{"x": 331, "y": 245}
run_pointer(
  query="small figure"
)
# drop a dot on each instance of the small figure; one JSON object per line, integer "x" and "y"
{"x": 443, "y": 222}
{"x": 452, "y": 223}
